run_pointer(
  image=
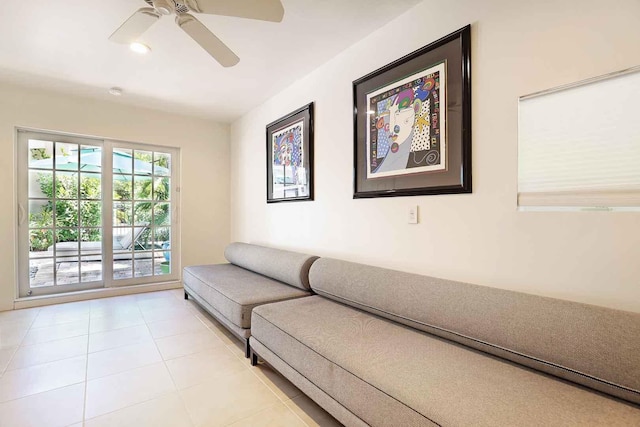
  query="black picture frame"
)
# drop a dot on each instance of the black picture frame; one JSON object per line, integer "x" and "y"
{"x": 293, "y": 169}
{"x": 448, "y": 61}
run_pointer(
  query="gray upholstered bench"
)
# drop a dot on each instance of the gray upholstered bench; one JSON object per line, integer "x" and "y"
{"x": 385, "y": 348}
{"x": 256, "y": 275}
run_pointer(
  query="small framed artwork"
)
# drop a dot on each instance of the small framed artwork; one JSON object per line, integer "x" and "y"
{"x": 412, "y": 123}
{"x": 290, "y": 157}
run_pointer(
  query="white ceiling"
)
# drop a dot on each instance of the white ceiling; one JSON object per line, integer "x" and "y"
{"x": 63, "y": 45}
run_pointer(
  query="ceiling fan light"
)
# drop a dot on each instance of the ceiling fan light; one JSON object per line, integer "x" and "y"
{"x": 140, "y": 48}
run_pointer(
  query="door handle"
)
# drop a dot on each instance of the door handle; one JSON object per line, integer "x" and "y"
{"x": 21, "y": 214}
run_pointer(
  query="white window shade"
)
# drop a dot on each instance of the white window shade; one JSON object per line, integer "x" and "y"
{"x": 579, "y": 146}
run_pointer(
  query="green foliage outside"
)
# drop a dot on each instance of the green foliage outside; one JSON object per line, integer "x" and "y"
{"x": 67, "y": 213}
{"x": 88, "y": 214}
{"x": 39, "y": 154}
{"x": 147, "y": 211}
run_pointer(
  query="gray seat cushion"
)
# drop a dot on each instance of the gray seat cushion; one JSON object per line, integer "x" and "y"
{"x": 389, "y": 375}
{"x": 234, "y": 291}
{"x": 593, "y": 346}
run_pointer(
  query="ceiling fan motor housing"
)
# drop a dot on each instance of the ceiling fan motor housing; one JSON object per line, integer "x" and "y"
{"x": 167, "y": 7}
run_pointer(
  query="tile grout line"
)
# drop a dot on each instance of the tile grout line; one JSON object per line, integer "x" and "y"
{"x": 6, "y": 368}
{"x": 84, "y": 420}
{"x": 295, "y": 413}
{"x": 128, "y": 370}
{"x": 19, "y": 345}
{"x": 119, "y": 345}
{"x": 124, "y": 407}
{"x": 191, "y": 309}
{"x": 41, "y": 392}
{"x": 47, "y": 361}
{"x": 282, "y": 401}
{"x": 40, "y": 364}
{"x": 86, "y": 371}
{"x": 164, "y": 362}
{"x": 254, "y": 414}
{"x": 56, "y": 323}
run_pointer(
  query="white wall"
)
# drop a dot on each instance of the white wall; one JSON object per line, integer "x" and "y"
{"x": 518, "y": 47}
{"x": 204, "y": 154}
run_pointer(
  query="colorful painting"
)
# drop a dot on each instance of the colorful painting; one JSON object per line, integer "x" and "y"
{"x": 289, "y": 174}
{"x": 406, "y": 131}
{"x": 290, "y": 157}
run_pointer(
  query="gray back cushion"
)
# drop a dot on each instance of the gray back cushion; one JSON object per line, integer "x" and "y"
{"x": 594, "y": 346}
{"x": 289, "y": 267}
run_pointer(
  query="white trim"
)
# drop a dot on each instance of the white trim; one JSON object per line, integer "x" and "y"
{"x": 90, "y": 294}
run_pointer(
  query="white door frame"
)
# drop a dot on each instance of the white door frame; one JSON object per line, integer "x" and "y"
{"x": 22, "y": 201}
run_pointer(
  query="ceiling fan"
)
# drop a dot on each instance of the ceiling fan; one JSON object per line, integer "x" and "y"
{"x": 144, "y": 18}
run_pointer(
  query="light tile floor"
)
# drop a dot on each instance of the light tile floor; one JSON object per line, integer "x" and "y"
{"x": 140, "y": 360}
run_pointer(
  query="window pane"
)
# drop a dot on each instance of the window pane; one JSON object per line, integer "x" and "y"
{"x": 143, "y": 265}
{"x": 66, "y": 213}
{"x": 123, "y": 239}
{"x": 41, "y": 272}
{"x": 122, "y": 269}
{"x": 142, "y": 187}
{"x": 162, "y": 237}
{"x": 91, "y": 159}
{"x": 91, "y": 268}
{"x": 122, "y": 187}
{"x": 122, "y": 213}
{"x": 66, "y": 185}
{"x": 40, "y": 214}
{"x": 91, "y": 214}
{"x": 40, "y": 154}
{"x": 67, "y": 270}
{"x": 67, "y": 242}
{"x": 143, "y": 163}
{"x": 161, "y": 266}
{"x": 131, "y": 238}
{"x": 142, "y": 213}
{"x": 41, "y": 184}
{"x": 67, "y": 156}
{"x": 122, "y": 161}
{"x": 162, "y": 164}
{"x": 91, "y": 241}
{"x": 39, "y": 243}
{"x": 161, "y": 189}
{"x": 90, "y": 186}
{"x": 162, "y": 214}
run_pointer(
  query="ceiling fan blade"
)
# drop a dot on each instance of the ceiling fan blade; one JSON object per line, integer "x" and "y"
{"x": 264, "y": 10}
{"x": 135, "y": 26}
{"x": 205, "y": 38}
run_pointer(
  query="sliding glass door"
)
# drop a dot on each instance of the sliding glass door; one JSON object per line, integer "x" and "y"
{"x": 143, "y": 203}
{"x": 94, "y": 213}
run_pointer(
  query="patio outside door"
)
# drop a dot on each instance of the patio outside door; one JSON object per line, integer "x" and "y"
{"x": 94, "y": 213}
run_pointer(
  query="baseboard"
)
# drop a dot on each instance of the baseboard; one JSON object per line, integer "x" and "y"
{"x": 39, "y": 301}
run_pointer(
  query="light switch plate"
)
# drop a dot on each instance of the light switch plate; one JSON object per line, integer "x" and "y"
{"x": 413, "y": 215}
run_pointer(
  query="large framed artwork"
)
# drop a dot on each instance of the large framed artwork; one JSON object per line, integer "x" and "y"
{"x": 412, "y": 123}
{"x": 290, "y": 157}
